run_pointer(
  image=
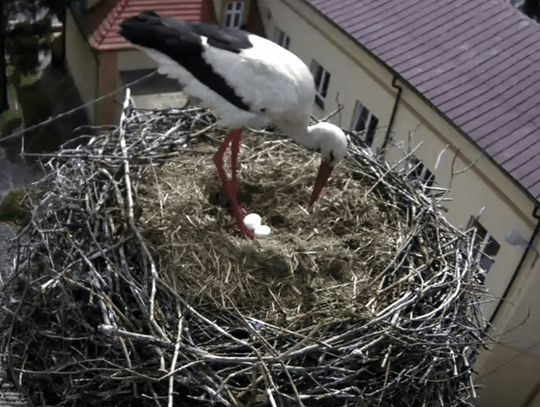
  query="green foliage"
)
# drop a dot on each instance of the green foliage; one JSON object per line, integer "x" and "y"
{"x": 34, "y": 103}
{"x": 14, "y": 114}
{"x": 36, "y": 109}
{"x": 10, "y": 125}
{"x": 24, "y": 42}
{"x": 13, "y": 209}
{"x": 40, "y": 28}
{"x": 29, "y": 7}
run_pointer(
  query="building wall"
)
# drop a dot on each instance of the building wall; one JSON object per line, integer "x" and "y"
{"x": 482, "y": 186}
{"x": 106, "y": 109}
{"x": 356, "y": 75}
{"x": 128, "y": 60}
{"x": 509, "y": 371}
{"x": 218, "y": 8}
{"x": 134, "y": 59}
{"x": 81, "y": 63}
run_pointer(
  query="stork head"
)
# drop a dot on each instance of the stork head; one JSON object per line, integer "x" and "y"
{"x": 333, "y": 144}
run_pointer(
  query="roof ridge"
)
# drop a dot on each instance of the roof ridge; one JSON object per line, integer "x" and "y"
{"x": 109, "y": 21}
{"x": 104, "y": 34}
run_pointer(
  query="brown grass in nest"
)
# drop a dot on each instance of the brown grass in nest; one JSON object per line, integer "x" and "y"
{"x": 131, "y": 288}
{"x": 317, "y": 261}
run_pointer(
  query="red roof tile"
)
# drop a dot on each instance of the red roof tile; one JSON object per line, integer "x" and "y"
{"x": 102, "y": 22}
{"x": 475, "y": 61}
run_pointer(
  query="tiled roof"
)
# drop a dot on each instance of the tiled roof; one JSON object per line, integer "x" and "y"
{"x": 476, "y": 61}
{"x": 102, "y": 22}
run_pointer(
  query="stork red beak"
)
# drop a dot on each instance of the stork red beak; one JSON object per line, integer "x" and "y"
{"x": 322, "y": 178}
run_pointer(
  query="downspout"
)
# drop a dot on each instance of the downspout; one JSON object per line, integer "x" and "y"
{"x": 392, "y": 117}
{"x": 536, "y": 215}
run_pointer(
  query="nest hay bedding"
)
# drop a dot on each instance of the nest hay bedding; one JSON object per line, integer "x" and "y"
{"x": 131, "y": 286}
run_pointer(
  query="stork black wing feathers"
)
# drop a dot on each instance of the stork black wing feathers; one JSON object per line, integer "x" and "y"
{"x": 182, "y": 42}
{"x": 150, "y": 30}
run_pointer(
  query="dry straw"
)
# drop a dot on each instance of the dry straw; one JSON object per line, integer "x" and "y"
{"x": 131, "y": 287}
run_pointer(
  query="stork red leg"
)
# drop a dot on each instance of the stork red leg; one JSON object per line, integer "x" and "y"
{"x": 234, "y": 138}
{"x": 235, "y": 149}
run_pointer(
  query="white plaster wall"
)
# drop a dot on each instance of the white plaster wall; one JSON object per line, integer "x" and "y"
{"x": 483, "y": 186}
{"x": 357, "y": 76}
{"x": 133, "y": 60}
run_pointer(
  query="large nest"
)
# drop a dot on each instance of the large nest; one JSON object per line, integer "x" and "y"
{"x": 131, "y": 287}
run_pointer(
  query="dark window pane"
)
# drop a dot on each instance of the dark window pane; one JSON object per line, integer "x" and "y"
{"x": 228, "y": 20}
{"x": 481, "y": 232}
{"x": 277, "y": 35}
{"x": 486, "y": 263}
{"x": 239, "y": 5}
{"x": 363, "y": 119}
{"x": 492, "y": 247}
{"x": 419, "y": 171}
{"x": 318, "y": 76}
{"x": 486, "y": 250}
{"x": 414, "y": 167}
{"x": 371, "y": 131}
{"x": 230, "y": 6}
{"x": 237, "y": 20}
{"x": 360, "y": 123}
{"x": 325, "y": 85}
{"x": 319, "y": 101}
{"x": 287, "y": 42}
{"x": 428, "y": 177}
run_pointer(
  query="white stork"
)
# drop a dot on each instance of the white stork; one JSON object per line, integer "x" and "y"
{"x": 246, "y": 80}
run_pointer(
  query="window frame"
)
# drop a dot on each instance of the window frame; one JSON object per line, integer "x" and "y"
{"x": 234, "y": 12}
{"x": 414, "y": 164}
{"x": 281, "y": 38}
{"x": 421, "y": 172}
{"x": 483, "y": 238}
{"x": 321, "y": 88}
{"x": 371, "y": 122}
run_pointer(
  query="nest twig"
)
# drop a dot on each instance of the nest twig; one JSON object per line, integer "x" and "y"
{"x": 130, "y": 286}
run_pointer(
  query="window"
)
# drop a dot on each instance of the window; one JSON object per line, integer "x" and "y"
{"x": 423, "y": 177}
{"x": 364, "y": 121}
{"x": 234, "y": 14}
{"x": 416, "y": 169}
{"x": 485, "y": 246}
{"x": 281, "y": 38}
{"x": 322, "y": 78}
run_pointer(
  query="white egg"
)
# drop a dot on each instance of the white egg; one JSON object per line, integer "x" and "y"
{"x": 262, "y": 231}
{"x": 252, "y": 221}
